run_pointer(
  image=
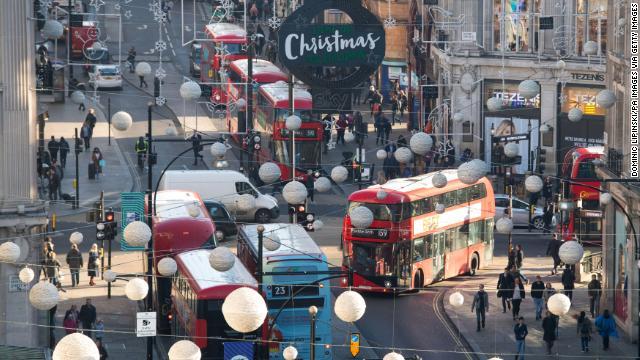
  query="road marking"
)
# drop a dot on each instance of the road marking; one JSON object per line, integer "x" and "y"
{"x": 454, "y": 336}
{"x": 143, "y": 27}
{"x": 187, "y": 28}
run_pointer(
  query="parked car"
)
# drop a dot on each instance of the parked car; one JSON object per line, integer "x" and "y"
{"x": 194, "y": 64}
{"x": 520, "y": 215}
{"x": 105, "y": 76}
{"x": 224, "y": 221}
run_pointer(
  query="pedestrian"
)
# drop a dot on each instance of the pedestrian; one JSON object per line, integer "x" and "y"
{"x": 606, "y": 328}
{"x": 391, "y": 147}
{"x": 595, "y": 291}
{"x": 519, "y": 256}
{"x": 86, "y": 132}
{"x": 547, "y": 190}
{"x": 584, "y": 329}
{"x": 91, "y": 118}
{"x": 547, "y": 293}
{"x": 53, "y": 147}
{"x": 517, "y": 274}
{"x": 195, "y": 146}
{"x": 568, "y": 281}
{"x": 402, "y": 105}
{"x": 516, "y": 299}
{"x": 386, "y": 126}
{"x": 131, "y": 59}
{"x": 390, "y": 167}
{"x": 402, "y": 142}
{"x": 99, "y": 329}
{"x": 394, "y": 109}
{"x": 451, "y": 153}
{"x": 549, "y": 331}
{"x": 520, "y": 331}
{"x": 378, "y": 125}
{"x": 505, "y": 289}
{"x": 70, "y": 322}
{"x": 54, "y": 184}
{"x": 553, "y": 250}
{"x": 102, "y": 350}
{"x": 511, "y": 256}
{"x": 92, "y": 263}
{"x": 350, "y": 122}
{"x": 381, "y": 178}
{"x": 52, "y": 268}
{"x": 308, "y": 182}
{"x": 142, "y": 82}
{"x": 480, "y": 305}
{"x": 547, "y": 217}
{"x": 341, "y": 126}
{"x": 537, "y": 291}
{"x": 74, "y": 260}
{"x": 97, "y": 160}
{"x": 253, "y": 12}
{"x": 58, "y": 169}
{"x": 64, "y": 150}
{"x": 87, "y": 317}
{"x": 360, "y": 126}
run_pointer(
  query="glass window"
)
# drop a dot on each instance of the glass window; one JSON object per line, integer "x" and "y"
{"x": 243, "y": 187}
{"x": 217, "y": 212}
{"x": 385, "y": 212}
{"x": 373, "y": 259}
{"x": 488, "y": 231}
{"x": 417, "y": 208}
{"x": 308, "y": 154}
{"x": 517, "y": 204}
{"x": 586, "y": 170}
{"x": 591, "y": 24}
{"x": 429, "y": 243}
{"x": 515, "y": 25}
{"x": 419, "y": 251}
{"x": 475, "y": 232}
{"x": 462, "y": 236}
{"x": 501, "y": 202}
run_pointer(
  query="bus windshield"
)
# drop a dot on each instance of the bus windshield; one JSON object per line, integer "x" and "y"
{"x": 586, "y": 170}
{"x": 234, "y": 49}
{"x": 373, "y": 259}
{"x": 384, "y": 212}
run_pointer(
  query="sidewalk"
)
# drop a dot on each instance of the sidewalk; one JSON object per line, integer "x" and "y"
{"x": 63, "y": 119}
{"x": 117, "y": 313}
{"x": 497, "y": 338}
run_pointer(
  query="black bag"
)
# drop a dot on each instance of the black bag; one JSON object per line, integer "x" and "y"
{"x": 499, "y": 293}
{"x": 92, "y": 171}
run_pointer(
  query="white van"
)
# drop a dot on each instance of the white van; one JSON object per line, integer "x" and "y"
{"x": 224, "y": 186}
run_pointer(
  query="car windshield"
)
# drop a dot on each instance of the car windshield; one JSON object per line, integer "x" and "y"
{"x": 108, "y": 71}
{"x": 218, "y": 213}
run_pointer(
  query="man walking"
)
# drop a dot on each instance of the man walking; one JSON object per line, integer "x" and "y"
{"x": 521, "y": 332}
{"x": 195, "y": 143}
{"x": 87, "y": 317}
{"x": 143, "y": 82}
{"x": 64, "y": 150}
{"x": 537, "y": 289}
{"x": 595, "y": 290}
{"x": 74, "y": 259}
{"x": 568, "y": 281}
{"x": 53, "y": 147}
{"x": 549, "y": 331}
{"x": 553, "y": 250}
{"x": 91, "y": 118}
{"x": 480, "y": 305}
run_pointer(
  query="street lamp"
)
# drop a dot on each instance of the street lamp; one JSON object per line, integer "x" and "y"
{"x": 313, "y": 312}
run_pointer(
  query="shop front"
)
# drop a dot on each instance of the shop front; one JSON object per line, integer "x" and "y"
{"x": 518, "y": 121}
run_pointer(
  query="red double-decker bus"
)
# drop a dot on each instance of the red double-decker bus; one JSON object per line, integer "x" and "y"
{"x": 263, "y": 72}
{"x": 409, "y": 244}
{"x": 272, "y": 109}
{"x": 175, "y": 230}
{"x": 585, "y": 221}
{"x": 197, "y": 293}
{"x": 225, "y": 43}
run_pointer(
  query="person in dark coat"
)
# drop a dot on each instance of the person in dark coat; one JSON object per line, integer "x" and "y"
{"x": 309, "y": 181}
{"x": 553, "y": 250}
{"x": 402, "y": 142}
{"x": 594, "y": 292}
{"x": 537, "y": 292}
{"x": 102, "y": 350}
{"x": 547, "y": 218}
{"x": 52, "y": 266}
{"x": 341, "y": 127}
{"x": 54, "y": 184}
{"x": 195, "y": 144}
{"x": 386, "y": 128}
{"x": 547, "y": 190}
{"x": 520, "y": 331}
{"x": 519, "y": 256}
{"x": 64, "y": 150}
{"x": 480, "y": 306}
{"x": 91, "y": 118}
{"x": 390, "y": 167}
{"x": 53, "y": 147}
{"x": 87, "y": 317}
{"x": 549, "y": 331}
{"x": 379, "y": 126}
{"x": 584, "y": 328}
{"x": 568, "y": 281}
{"x": 74, "y": 260}
{"x": 92, "y": 263}
{"x": 505, "y": 289}
{"x": 517, "y": 297}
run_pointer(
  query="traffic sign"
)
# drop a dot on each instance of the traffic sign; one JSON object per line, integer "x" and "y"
{"x": 355, "y": 344}
{"x": 146, "y": 324}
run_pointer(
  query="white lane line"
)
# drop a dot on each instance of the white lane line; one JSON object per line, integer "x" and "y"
{"x": 173, "y": 52}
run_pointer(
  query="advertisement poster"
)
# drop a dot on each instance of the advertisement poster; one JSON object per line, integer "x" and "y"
{"x": 503, "y": 126}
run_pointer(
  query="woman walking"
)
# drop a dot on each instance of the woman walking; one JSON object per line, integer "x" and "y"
{"x": 518, "y": 296}
{"x": 505, "y": 289}
{"x": 584, "y": 331}
{"x": 93, "y": 263}
{"x": 70, "y": 321}
{"x": 97, "y": 160}
{"x": 52, "y": 268}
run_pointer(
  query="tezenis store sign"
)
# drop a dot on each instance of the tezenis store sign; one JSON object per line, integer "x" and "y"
{"x": 306, "y": 44}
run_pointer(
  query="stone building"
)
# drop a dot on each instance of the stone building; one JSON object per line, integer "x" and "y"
{"x": 22, "y": 216}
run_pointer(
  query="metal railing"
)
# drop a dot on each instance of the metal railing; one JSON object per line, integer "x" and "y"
{"x": 614, "y": 161}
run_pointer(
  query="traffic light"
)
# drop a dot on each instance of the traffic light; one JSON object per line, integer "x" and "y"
{"x": 111, "y": 226}
{"x": 301, "y": 216}
{"x": 541, "y": 159}
{"x": 101, "y": 231}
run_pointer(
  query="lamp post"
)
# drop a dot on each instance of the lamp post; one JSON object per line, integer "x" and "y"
{"x": 313, "y": 312}
{"x": 150, "y": 222}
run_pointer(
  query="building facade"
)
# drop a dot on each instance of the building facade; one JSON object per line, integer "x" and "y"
{"x": 476, "y": 50}
{"x": 23, "y": 217}
{"x": 621, "y": 222}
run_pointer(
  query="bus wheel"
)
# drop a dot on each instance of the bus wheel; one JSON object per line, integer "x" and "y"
{"x": 263, "y": 216}
{"x": 418, "y": 280}
{"x": 475, "y": 262}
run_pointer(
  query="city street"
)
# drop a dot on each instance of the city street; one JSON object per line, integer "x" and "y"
{"x": 409, "y": 152}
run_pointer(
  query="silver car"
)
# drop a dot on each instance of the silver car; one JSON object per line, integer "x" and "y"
{"x": 520, "y": 212}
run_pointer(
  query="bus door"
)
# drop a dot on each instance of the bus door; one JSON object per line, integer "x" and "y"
{"x": 404, "y": 264}
{"x": 437, "y": 249}
{"x": 487, "y": 238}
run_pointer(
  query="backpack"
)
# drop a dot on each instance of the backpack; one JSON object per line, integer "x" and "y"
{"x": 585, "y": 329}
